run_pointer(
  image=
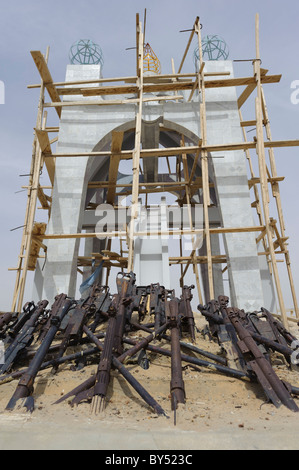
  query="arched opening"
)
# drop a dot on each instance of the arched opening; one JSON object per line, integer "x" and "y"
{"x": 161, "y": 179}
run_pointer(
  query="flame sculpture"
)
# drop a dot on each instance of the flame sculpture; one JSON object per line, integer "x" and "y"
{"x": 151, "y": 62}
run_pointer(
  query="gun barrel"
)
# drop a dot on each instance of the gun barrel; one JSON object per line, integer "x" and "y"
{"x": 273, "y": 386}
{"x": 25, "y": 387}
{"x": 177, "y": 387}
{"x": 24, "y": 338}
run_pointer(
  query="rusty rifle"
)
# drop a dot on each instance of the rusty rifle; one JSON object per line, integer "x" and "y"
{"x": 274, "y": 388}
{"x": 128, "y": 376}
{"x": 157, "y": 299}
{"x": 5, "y": 320}
{"x": 24, "y": 388}
{"x": 186, "y": 310}
{"x": 78, "y": 317}
{"x": 228, "y": 338}
{"x": 125, "y": 283}
{"x": 142, "y": 344}
{"x": 102, "y": 301}
{"x": 22, "y": 318}
{"x": 285, "y": 350}
{"x": 24, "y": 337}
{"x": 177, "y": 387}
{"x": 103, "y": 372}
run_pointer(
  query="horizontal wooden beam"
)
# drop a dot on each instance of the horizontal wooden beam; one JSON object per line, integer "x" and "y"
{"x": 219, "y": 259}
{"x": 85, "y": 82}
{"x": 83, "y": 102}
{"x": 255, "y": 180}
{"x": 228, "y": 82}
{"x": 116, "y": 234}
{"x": 124, "y": 89}
{"x": 158, "y": 87}
{"x": 173, "y": 151}
{"x": 105, "y": 184}
{"x": 131, "y": 79}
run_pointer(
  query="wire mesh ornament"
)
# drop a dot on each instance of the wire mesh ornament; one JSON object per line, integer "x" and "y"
{"x": 213, "y": 48}
{"x": 151, "y": 62}
{"x": 86, "y": 51}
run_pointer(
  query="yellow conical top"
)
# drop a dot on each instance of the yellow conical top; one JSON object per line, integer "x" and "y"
{"x": 151, "y": 62}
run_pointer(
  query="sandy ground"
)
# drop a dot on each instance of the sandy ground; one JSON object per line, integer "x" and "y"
{"x": 220, "y": 412}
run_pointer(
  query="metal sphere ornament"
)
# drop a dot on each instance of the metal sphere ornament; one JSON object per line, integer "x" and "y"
{"x": 213, "y": 48}
{"x": 85, "y": 51}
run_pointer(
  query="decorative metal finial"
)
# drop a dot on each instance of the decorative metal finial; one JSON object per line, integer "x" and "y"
{"x": 213, "y": 48}
{"x": 85, "y": 51}
{"x": 151, "y": 62}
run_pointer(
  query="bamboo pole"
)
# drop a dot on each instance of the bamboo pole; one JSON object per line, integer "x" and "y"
{"x": 137, "y": 148}
{"x": 188, "y": 198}
{"x": 175, "y": 83}
{"x": 276, "y": 195}
{"x": 173, "y": 151}
{"x": 204, "y": 162}
{"x": 263, "y": 172}
{"x": 31, "y": 205}
{"x": 131, "y": 79}
{"x": 155, "y": 86}
{"x": 30, "y": 222}
{"x": 117, "y": 233}
{"x": 111, "y": 102}
{"x": 256, "y": 191}
{"x": 188, "y": 46}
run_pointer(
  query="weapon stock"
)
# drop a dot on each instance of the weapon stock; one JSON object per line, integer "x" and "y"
{"x": 177, "y": 387}
{"x": 25, "y": 386}
{"x": 186, "y": 310}
{"x": 24, "y": 338}
{"x": 274, "y": 388}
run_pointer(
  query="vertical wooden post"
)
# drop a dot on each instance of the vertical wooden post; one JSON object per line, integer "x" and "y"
{"x": 256, "y": 191}
{"x": 263, "y": 172}
{"x": 276, "y": 195}
{"x": 188, "y": 200}
{"x": 30, "y": 208}
{"x": 30, "y": 222}
{"x": 204, "y": 162}
{"x": 137, "y": 148}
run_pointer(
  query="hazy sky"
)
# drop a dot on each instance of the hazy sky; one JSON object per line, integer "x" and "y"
{"x": 34, "y": 25}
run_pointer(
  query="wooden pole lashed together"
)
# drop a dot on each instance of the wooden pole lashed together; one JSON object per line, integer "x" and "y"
{"x": 163, "y": 88}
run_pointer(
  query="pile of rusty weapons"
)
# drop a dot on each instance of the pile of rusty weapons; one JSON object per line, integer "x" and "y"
{"x": 98, "y": 326}
{"x": 248, "y": 340}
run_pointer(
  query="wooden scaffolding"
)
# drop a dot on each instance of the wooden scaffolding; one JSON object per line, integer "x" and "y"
{"x": 270, "y": 230}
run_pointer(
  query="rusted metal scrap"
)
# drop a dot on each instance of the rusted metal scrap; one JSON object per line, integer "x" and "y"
{"x": 222, "y": 329}
{"x": 5, "y": 320}
{"x": 125, "y": 283}
{"x": 24, "y": 338}
{"x": 186, "y": 310}
{"x": 215, "y": 320}
{"x": 274, "y": 388}
{"x": 102, "y": 328}
{"x": 177, "y": 387}
{"x": 125, "y": 373}
{"x": 255, "y": 335}
{"x": 157, "y": 304}
{"x": 103, "y": 373}
{"x": 24, "y": 389}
